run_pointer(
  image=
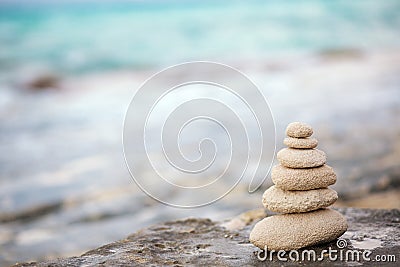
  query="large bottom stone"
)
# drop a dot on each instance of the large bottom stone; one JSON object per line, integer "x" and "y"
{"x": 294, "y": 231}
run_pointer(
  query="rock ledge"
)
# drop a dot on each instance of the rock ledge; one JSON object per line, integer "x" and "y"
{"x": 195, "y": 241}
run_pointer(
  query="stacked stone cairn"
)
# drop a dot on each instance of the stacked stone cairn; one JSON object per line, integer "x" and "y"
{"x": 301, "y": 196}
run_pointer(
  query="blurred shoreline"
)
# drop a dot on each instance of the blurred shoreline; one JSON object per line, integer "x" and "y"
{"x": 74, "y": 182}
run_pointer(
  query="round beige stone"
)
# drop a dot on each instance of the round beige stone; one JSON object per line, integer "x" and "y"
{"x": 299, "y": 129}
{"x": 278, "y": 200}
{"x": 303, "y": 179}
{"x": 300, "y": 142}
{"x": 301, "y": 158}
{"x": 294, "y": 231}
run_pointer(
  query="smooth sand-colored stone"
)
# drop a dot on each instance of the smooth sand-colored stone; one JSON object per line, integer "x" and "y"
{"x": 300, "y": 142}
{"x": 301, "y": 158}
{"x": 302, "y": 179}
{"x": 278, "y": 200}
{"x": 299, "y": 129}
{"x": 298, "y": 230}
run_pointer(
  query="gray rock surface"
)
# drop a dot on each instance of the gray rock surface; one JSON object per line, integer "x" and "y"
{"x": 196, "y": 241}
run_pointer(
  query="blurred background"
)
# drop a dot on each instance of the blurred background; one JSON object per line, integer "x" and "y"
{"x": 68, "y": 70}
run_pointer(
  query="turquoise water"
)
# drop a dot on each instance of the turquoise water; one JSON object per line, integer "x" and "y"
{"x": 87, "y": 36}
{"x": 80, "y": 37}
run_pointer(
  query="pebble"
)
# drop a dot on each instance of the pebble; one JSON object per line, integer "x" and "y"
{"x": 299, "y": 130}
{"x": 298, "y": 230}
{"x": 300, "y": 142}
{"x": 301, "y": 158}
{"x": 302, "y": 179}
{"x": 278, "y": 200}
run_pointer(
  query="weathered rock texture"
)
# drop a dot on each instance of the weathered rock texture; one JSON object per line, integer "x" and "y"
{"x": 196, "y": 241}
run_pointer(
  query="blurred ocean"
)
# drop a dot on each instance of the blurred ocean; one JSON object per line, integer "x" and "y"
{"x": 68, "y": 70}
{"x": 84, "y": 36}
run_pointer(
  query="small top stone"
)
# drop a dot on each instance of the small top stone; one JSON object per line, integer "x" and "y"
{"x": 299, "y": 130}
